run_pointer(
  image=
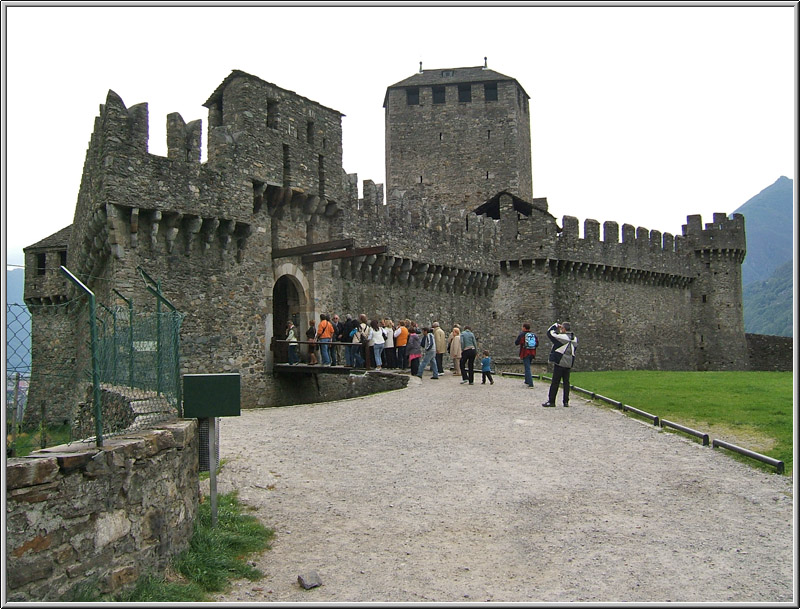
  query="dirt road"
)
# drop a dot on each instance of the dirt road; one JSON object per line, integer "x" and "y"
{"x": 444, "y": 492}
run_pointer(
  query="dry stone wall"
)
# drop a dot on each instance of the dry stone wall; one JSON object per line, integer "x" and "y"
{"x": 99, "y": 517}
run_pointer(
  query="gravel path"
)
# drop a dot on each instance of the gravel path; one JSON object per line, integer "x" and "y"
{"x": 443, "y": 492}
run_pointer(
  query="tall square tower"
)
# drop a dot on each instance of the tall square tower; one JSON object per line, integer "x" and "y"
{"x": 458, "y": 136}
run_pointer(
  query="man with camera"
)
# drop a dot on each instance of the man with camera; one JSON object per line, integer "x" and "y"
{"x": 563, "y": 356}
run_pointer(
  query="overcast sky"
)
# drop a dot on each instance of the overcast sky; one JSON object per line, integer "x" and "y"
{"x": 639, "y": 114}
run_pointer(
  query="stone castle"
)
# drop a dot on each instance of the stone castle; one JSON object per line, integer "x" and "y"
{"x": 270, "y": 227}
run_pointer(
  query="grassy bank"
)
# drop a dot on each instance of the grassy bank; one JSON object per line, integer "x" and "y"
{"x": 29, "y": 441}
{"x": 751, "y": 409}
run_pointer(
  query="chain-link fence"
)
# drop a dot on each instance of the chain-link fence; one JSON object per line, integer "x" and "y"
{"x": 18, "y": 369}
{"x": 96, "y": 370}
{"x": 138, "y": 357}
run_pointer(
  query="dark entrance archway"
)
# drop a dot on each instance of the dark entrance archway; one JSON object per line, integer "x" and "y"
{"x": 287, "y": 303}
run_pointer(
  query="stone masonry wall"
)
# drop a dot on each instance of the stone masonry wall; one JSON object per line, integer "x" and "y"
{"x": 774, "y": 353}
{"x": 99, "y": 517}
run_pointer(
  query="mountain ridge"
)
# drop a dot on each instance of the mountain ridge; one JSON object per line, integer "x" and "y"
{"x": 769, "y": 229}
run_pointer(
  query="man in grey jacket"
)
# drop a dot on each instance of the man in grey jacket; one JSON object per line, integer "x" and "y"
{"x": 563, "y": 356}
{"x": 428, "y": 353}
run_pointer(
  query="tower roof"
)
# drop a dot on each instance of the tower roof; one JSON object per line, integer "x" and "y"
{"x": 491, "y": 207}
{"x": 240, "y": 74}
{"x": 56, "y": 240}
{"x": 452, "y": 76}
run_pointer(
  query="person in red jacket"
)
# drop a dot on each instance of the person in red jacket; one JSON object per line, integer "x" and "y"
{"x": 526, "y": 352}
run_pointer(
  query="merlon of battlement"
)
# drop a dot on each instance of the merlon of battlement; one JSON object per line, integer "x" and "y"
{"x": 184, "y": 141}
{"x": 631, "y": 235}
{"x": 694, "y": 224}
{"x": 129, "y": 126}
{"x": 723, "y": 234}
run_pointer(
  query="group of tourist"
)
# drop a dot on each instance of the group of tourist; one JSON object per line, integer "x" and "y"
{"x": 385, "y": 344}
{"x": 405, "y": 345}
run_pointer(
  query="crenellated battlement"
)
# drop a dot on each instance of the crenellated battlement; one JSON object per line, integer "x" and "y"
{"x": 627, "y": 247}
{"x": 411, "y": 227}
{"x": 529, "y": 232}
{"x": 723, "y": 234}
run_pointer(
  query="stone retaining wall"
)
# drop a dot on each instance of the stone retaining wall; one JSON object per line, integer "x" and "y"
{"x": 774, "y": 353}
{"x": 78, "y": 515}
{"x": 315, "y": 387}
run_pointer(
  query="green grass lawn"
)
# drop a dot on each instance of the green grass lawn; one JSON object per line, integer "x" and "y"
{"x": 753, "y": 410}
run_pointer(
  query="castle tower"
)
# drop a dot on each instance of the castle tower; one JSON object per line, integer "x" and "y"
{"x": 276, "y": 136}
{"x": 52, "y": 352}
{"x": 719, "y": 249}
{"x": 458, "y": 136}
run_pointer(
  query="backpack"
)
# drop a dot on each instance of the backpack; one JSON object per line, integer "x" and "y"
{"x": 531, "y": 342}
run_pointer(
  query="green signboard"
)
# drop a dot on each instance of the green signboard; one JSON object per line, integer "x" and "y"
{"x": 211, "y": 395}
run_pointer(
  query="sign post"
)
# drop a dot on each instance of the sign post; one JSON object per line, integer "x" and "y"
{"x": 210, "y": 396}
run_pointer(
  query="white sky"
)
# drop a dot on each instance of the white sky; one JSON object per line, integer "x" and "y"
{"x": 639, "y": 114}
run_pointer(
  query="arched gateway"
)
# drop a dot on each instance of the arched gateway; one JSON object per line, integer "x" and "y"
{"x": 290, "y": 301}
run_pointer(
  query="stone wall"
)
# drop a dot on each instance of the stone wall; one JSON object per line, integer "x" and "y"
{"x": 774, "y": 353}
{"x": 99, "y": 517}
{"x": 620, "y": 324}
{"x": 309, "y": 388}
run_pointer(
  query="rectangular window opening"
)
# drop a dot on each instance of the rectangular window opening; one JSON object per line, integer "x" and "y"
{"x": 286, "y": 167}
{"x": 41, "y": 263}
{"x": 440, "y": 137}
{"x": 438, "y": 95}
{"x": 310, "y": 132}
{"x": 272, "y": 114}
{"x": 490, "y": 91}
{"x": 465, "y": 93}
{"x": 412, "y": 96}
{"x": 63, "y": 257}
{"x": 321, "y": 176}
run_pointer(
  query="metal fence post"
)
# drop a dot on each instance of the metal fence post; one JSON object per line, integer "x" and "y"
{"x": 114, "y": 355}
{"x": 158, "y": 338}
{"x": 14, "y": 416}
{"x": 42, "y": 427}
{"x": 176, "y": 345}
{"x": 159, "y": 347}
{"x": 130, "y": 337}
{"x": 98, "y": 414}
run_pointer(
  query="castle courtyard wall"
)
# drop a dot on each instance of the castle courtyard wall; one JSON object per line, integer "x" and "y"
{"x": 216, "y": 234}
